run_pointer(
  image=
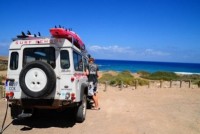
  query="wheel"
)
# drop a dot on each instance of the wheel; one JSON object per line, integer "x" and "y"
{"x": 81, "y": 111}
{"x": 37, "y": 79}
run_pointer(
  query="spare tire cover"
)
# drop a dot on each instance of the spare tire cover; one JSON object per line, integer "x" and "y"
{"x": 37, "y": 79}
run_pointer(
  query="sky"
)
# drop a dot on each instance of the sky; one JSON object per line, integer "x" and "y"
{"x": 138, "y": 30}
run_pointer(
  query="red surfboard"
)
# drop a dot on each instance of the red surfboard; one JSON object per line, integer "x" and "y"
{"x": 65, "y": 33}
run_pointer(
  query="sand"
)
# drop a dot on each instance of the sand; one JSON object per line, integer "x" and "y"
{"x": 126, "y": 111}
{"x": 143, "y": 110}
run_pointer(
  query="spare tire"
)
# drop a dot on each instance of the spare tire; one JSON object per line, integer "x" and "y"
{"x": 37, "y": 79}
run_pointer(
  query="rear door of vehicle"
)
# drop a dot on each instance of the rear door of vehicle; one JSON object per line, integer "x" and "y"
{"x": 66, "y": 74}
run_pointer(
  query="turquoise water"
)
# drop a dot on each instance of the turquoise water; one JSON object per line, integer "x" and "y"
{"x": 135, "y": 66}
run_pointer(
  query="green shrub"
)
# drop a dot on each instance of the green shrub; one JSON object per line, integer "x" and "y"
{"x": 162, "y": 76}
{"x": 195, "y": 78}
{"x": 125, "y": 74}
{"x": 142, "y": 82}
{"x": 126, "y": 77}
{"x": 106, "y": 77}
{"x": 190, "y": 77}
{"x": 143, "y": 73}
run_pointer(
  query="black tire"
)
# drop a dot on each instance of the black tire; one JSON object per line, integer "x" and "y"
{"x": 81, "y": 111}
{"x": 47, "y": 72}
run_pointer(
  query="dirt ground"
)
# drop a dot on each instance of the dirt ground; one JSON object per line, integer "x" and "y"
{"x": 126, "y": 111}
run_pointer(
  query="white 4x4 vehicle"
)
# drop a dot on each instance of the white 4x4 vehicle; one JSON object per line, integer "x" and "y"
{"x": 46, "y": 73}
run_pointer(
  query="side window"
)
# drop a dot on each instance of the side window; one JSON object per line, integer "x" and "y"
{"x": 78, "y": 63}
{"x": 64, "y": 59}
{"x": 14, "y": 61}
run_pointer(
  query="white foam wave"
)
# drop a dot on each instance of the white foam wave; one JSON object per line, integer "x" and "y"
{"x": 186, "y": 73}
{"x": 103, "y": 65}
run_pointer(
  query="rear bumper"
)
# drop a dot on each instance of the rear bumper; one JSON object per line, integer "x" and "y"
{"x": 44, "y": 103}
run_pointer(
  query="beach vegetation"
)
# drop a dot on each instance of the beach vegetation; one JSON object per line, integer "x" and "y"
{"x": 125, "y": 76}
{"x": 2, "y": 78}
{"x": 128, "y": 79}
{"x": 3, "y": 67}
{"x": 160, "y": 75}
{"x": 142, "y": 82}
{"x": 195, "y": 78}
{"x": 106, "y": 77}
{"x": 143, "y": 73}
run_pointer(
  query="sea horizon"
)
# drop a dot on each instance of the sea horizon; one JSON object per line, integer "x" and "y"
{"x": 148, "y": 66}
{"x": 150, "y": 61}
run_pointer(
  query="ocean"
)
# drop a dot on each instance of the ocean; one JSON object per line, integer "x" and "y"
{"x": 149, "y": 66}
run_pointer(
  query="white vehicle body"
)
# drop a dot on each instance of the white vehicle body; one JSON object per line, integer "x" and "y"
{"x": 46, "y": 73}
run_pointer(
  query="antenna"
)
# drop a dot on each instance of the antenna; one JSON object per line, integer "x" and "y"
{"x": 39, "y": 34}
{"x": 55, "y": 26}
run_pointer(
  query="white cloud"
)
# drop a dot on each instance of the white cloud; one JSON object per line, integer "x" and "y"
{"x": 112, "y": 49}
{"x": 126, "y": 53}
{"x": 152, "y": 52}
{"x": 111, "y": 52}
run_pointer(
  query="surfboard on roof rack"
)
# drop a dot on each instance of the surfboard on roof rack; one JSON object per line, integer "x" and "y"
{"x": 68, "y": 34}
{"x": 29, "y": 36}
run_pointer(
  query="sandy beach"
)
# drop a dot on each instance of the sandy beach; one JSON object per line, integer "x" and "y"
{"x": 127, "y": 111}
{"x": 145, "y": 110}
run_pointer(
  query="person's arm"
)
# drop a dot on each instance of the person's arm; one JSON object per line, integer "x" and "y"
{"x": 87, "y": 70}
{"x": 97, "y": 71}
{"x": 97, "y": 74}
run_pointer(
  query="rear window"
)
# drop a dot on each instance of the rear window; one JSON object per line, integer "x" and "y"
{"x": 14, "y": 60}
{"x": 45, "y": 54}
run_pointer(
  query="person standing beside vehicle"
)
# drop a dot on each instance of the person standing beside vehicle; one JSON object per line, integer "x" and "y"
{"x": 92, "y": 73}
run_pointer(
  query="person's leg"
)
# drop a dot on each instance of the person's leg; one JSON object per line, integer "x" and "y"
{"x": 91, "y": 89}
{"x": 96, "y": 101}
{"x": 96, "y": 98}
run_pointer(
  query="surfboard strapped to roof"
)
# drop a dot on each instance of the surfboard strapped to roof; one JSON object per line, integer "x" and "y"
{"x": 68, "y": 34}
{"x": 29, "y": 36}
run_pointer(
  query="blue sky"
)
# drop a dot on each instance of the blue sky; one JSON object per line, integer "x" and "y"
{"x": 142, "y": 30}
